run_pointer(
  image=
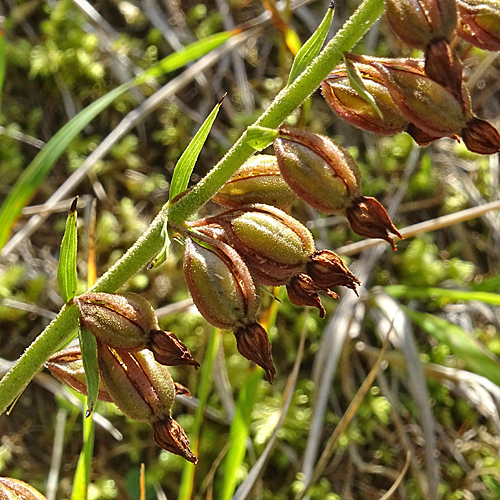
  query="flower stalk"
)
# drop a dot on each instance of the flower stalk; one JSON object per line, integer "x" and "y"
{"x": 64, "y": 326}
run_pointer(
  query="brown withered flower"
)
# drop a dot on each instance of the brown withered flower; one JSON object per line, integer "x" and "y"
{"x": 144, "y": 391}
{"x": 224, "y": 292}
{"x": 369, "y": 218}
{"x": 258, "y": 180}
{"x": 128, "y": 321}
{"x": 279, "y": 250}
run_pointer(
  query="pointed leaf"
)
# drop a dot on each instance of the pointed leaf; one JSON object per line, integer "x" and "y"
{"x": 66, "y": 270}
{"x": 312, "y": 47}
{"x": 88, "y": 346}
{"x": 474, "y": 355}
{"x": 162, "y": 256}
{"x": 356, "y": 80}
{"x": 260, "y": 137}
{"x": 185, "y": 165}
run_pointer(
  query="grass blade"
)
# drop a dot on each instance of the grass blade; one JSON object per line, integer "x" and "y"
{"x": 311, "y": 48}
{"x": 187, "y": 482}
{"x": 187, "y": 54}
{"x": 475, "y": 357}
{"x": 66, "y": 269}
{"x": 185, "y": 165}
{"x": 82, "y": 474}
{"x": 239, "y": 432}
{"x": 444, "y": 295}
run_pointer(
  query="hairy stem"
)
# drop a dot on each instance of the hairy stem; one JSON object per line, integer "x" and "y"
{"x": 63, "y": 327}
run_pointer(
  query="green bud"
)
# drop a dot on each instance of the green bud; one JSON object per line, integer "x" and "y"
{"x": 320, "y": 171}
{"x": 257, "y": 181}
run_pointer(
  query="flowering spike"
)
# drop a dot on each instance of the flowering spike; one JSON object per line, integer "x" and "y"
{"x": 369, "y": 218}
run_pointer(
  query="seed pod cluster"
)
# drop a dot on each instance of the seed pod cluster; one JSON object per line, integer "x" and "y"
{"x": 133, "y": 355}
{"x": 426, "y": 98}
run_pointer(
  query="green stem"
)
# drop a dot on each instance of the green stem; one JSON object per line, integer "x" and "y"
{"x": 145, "y": 249}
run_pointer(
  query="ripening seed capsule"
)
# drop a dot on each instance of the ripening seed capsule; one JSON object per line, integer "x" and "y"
{"x": 320, "y": 171}
{"x": 258, "y": 180}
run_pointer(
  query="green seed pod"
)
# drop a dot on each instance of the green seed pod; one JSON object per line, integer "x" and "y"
{"x": 220, "y": 284}
{"x": 224, "y": 292}
{"x": 280, "y": 251}
{"x": 321, "y": 172}
{"x": 431, "y": 107}
{"x": 144, "y": 391}
{"x": 349, "y": 105}
{"x": 13, "y": 489}
{"x": 273, "y": 244}
{"x": 67, "y": 367}
{"x": 418, "y": 22}
{"x": 258, "y": 180}
{"x": 479, "y": 23}
{"x": 128, "y": 321}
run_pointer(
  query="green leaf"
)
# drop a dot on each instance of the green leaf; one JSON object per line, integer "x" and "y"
{"x": 42, "y": 164}
{"x": 312, "y": 47}
{"x": 260, "y": 137}
{"x": 239, "y": 432}
{"x": 443, "y": 294}
{"x": 474, "y": 355}
{"x": 82, "y": 473}
{"x": 66, "y": 270}
{"x": 88, "y": 346}
{"x": 185, "y": 165}
{"x": 358, "y": 85}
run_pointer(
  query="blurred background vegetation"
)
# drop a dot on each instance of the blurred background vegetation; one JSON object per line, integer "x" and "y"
{"x": 436, "y": 393}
